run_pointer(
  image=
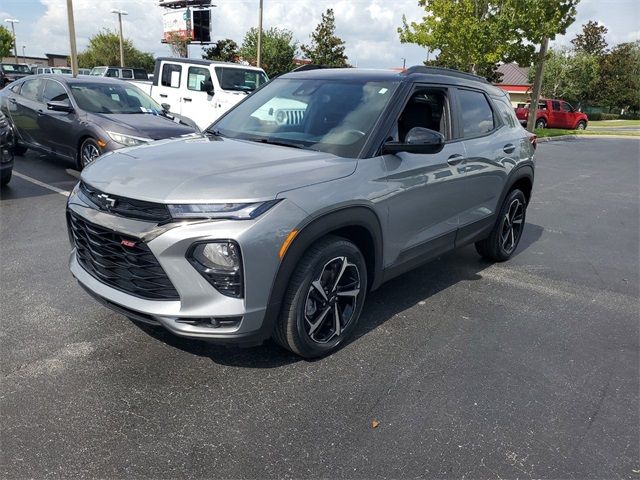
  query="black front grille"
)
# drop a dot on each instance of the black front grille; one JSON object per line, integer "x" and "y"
{"x": 126, "y": 207}
{"x": 121, "y": 262}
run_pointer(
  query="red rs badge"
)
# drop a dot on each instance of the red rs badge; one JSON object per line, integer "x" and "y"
{"x": 128, "y": 243}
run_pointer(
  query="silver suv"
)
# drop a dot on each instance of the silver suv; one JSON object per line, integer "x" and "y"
{"x": 314, "y": 190}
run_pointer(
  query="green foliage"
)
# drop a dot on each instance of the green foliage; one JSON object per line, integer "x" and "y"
{"x": 474, "y": 35}
{"x": 591, "y": 40}
{"x": 6, "y": 41}
{"x": 619, "y": 85}
{"x": 225, "y": 50}
{"x": 104, "y": 49}
{"x": 603, "y": 116}
{"x": 326, "y": 48}
{"x": 570, "y": 75}
{"x": 178, "y": 44}
{"x": 278, "y": 49}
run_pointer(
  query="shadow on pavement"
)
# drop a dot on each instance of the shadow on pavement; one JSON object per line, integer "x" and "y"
{"x": 393, "y": 297}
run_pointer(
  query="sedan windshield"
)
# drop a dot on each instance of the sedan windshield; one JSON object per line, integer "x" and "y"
{"x": 335, "y": 116}
{"x": 113, "y": 98}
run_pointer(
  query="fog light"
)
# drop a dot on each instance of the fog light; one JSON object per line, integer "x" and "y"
{"x": 221, "y": 264}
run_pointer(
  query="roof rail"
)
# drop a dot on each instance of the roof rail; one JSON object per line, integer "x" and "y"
{"x": 444, "y": 71}
{"x": 309, "y": 66}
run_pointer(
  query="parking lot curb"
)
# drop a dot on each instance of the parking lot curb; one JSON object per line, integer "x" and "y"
{"x": 575, "y": 137}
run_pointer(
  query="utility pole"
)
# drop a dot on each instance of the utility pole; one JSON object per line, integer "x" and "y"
{"x": 13, "y": 21}
{"x": 120, "y": 13}
{"x": 24, "y": 57}
{"x": 537, "y": 85}
{"x": 404, "y": 63}
{"x": 72, "y": 39}
{"x": 258, "y": 60}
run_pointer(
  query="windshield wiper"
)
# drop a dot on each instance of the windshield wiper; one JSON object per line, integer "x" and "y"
{"x": 215, "y": 133}
{"x": 282, "y": 143}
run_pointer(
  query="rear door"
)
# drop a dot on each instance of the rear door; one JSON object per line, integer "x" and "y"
{"x": 555, "y": 115}
{"x": 488, "y": 148}
{"x": 24, "y": 108}
{"x": 57, "y": 128}
{"x": 168, "y": 88}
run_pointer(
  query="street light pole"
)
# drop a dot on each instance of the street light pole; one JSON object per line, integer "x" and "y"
{"x": 259, "y": 46}
{"x": 13, "y": 21}
{"x": 120, "y": 13}
{"x": 24, "y": 57}
{"x": 72, "y": 39}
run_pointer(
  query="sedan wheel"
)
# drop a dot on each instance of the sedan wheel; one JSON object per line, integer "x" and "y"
{"x": 89, "y": 151}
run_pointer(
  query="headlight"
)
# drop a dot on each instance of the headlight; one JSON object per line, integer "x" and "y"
{"x": 221, "y": 264}
{"x": 128, "y": 140}
{"x": 236, "y": 211}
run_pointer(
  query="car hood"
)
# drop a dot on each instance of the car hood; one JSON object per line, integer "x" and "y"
{"x": 146, "y": 125}
{"x": 211, "y": 169}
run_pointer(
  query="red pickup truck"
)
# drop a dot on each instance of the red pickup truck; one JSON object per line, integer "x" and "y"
{"x": 554, "y": 114}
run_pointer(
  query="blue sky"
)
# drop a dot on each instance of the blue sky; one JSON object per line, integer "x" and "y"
{"x": 368, "y": 26}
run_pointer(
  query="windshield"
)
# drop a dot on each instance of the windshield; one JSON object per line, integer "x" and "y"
{"x": 7, "y": 67}
{"x": 326, "y": 115}
{"x": 242, "y": 79}
{"x": 112, "y": 98}
{"x": 98, "y": 71}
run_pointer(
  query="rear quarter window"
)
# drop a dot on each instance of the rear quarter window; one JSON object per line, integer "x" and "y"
{"x": 476, "y": 113}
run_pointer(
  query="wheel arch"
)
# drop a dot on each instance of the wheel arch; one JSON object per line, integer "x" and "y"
{"x": 521, "y": 178}
{"x": 358, "y": 224}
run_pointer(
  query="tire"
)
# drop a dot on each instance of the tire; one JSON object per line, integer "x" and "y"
{"x": 307, "y": 325}
{"x": 505, "y": 236}
{"x": 5, "y": 178}
{"x": 18, "y": 149}
{"x": 541, "y": 123}
{"x": 88, "y": 152}
{"x": 582, "y": 125}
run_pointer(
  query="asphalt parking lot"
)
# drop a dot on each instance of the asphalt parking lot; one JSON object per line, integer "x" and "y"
{"x": 473, "y": 370}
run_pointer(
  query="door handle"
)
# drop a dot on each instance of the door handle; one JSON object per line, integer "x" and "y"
{"x": 40, "y": 113}
{"x": 455, "y": 159}
{"x": 186, "y": 99}
{"x": 163, "y": 95}
{"x": 13, "y": 100}
{"x": 509, "y": 148}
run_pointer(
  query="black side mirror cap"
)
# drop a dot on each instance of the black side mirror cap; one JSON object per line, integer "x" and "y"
{"x": 418, "y": 140}
{"x": 166, "y": 107}
{"x": 59, "y": 107}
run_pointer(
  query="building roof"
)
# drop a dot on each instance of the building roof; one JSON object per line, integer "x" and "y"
{"x": 56, "y": 55}
{"x": 512, "y": 74}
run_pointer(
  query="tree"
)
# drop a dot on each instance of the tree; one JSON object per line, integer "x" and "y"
{"x": 6, "y": 42}
{"x": 225, "y": 50}
{"x": 571, "y": 75}
{"x": 591, "y": 40}
{"x": 178, "y": 44}
{"x": 326, "y": 48}
{"x": 619, "y": 84}
{"x": 104, "y": 49}
{"x": 278, "y": 49}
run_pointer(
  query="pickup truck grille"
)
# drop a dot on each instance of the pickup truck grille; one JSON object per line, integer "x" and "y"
{"x": 126, "y": 207}
{"x": 123, "y": 263}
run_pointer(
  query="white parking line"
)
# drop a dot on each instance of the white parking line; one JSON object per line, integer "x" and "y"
{"x": 41, "y": 184}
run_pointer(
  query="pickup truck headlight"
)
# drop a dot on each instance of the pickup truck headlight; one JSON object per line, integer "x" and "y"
{"x": 220, "y": 263}
{"x": 128, "y": 140}
{"x": 235, "y": 211}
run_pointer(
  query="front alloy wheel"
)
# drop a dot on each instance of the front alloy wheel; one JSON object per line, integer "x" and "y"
{"x": 89, "y": 151}
{"x": 324, "y": 298}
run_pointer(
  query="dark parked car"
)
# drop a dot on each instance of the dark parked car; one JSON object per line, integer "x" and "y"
{"x": 10, "y": 72}
{"x": 81, "y": 118}
{"x": 6, "y": 150}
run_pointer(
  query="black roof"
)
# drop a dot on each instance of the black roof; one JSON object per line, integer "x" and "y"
{"x": 413, "y": 74}
{"x": 79, "y": 79}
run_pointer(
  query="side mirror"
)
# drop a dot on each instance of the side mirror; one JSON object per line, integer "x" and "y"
{"x": 207, "y": 86}
{"x": 60, "y": 107}
{"x": 166, "y": 107}
{"x": 418, "y": 140}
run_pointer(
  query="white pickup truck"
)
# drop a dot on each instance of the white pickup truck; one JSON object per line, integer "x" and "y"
{"x": 201, "y": 89}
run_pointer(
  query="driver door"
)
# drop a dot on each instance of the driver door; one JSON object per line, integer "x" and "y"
{"x": 423, "y": 211}
{"x": 196, "y": 103}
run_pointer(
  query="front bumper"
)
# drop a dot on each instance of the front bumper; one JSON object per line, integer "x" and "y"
{"x": 231, "y": 319}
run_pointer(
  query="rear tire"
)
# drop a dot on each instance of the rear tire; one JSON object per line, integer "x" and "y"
{"x": 5, "y": 178}
{"x": 324, "y": 299}
{"x": 505, "y": 236}
{"x": 540, "y": 123}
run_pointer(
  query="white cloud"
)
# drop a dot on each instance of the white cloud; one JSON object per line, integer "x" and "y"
{"x": 367, "y": 26}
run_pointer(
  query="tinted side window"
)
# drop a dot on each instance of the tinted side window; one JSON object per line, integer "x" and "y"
{"x": 556, "y": 105}
{"x": 476, "y": 113}
{"x": 30, "y": 89}
{"x": 171, "y": 75}
{"x": 112, "y": 72}
{"x": 54, "y": 92}
{"x": 566, "y": 107}
{"x": 140, "y": 74}
{"x": 507, "y": 114}
{"x": 127, "y": 74}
